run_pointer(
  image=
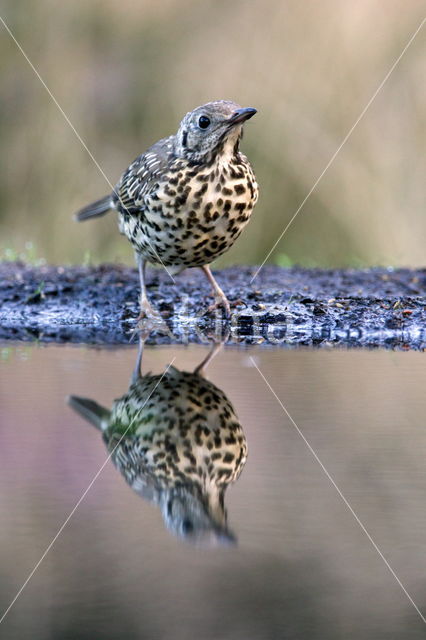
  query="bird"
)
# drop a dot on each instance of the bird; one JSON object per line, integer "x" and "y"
{"x": 178, "y": 443}
{"x": 184, "y": 202}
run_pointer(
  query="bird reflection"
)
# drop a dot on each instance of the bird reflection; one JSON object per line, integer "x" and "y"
{"x": 176, "y": 439}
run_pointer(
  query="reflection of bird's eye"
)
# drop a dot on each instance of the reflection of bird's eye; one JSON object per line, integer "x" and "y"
{"x": 203, "y": 122}
{"x": 187, "y": 527}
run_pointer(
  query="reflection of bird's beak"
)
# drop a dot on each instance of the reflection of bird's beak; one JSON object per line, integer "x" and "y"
{"x": 226, "y": 538}
{"x": 213, "y": 538}
{"x": 241, "y": 115}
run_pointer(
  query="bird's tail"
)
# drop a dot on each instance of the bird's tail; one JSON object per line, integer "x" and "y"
{"x": 98, "y": 208}
{"x": 90, "y": 411}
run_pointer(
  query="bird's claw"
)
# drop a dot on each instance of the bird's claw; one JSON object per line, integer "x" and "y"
{"x": 220, "y": 303}
{"x": 148, "y": 320}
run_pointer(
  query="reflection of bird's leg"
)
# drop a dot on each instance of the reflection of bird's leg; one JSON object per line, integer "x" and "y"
{"x": 137, "y": 371}
{"x": 201, "y": 369}
{"x": 223, "y": 302}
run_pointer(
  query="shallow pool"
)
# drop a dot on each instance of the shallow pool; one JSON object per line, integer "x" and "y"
{"x": 327, "y": 520}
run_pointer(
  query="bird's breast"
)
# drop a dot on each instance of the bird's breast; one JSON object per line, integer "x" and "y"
{"x": 195, "y": 214}
{"x": 176, "y": 429}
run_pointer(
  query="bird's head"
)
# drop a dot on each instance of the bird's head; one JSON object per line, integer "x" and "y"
{"x": 213, "y": 127}
{"x": 196, "y": 518}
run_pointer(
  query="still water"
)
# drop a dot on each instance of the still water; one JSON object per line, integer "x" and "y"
{"x": 275, "y": 552}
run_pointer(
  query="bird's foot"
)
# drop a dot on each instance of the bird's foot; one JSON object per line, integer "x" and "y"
{"x": 147, "y": 311}
{"x": 238, "y": 303}
{"x": 220, "y": 303}
{"x": 149, "y": 319}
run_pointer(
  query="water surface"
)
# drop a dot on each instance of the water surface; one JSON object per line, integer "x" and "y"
{"x": 302, "y": 566}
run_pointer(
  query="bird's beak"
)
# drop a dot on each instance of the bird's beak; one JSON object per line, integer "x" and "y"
{"x": 241, "y": 115}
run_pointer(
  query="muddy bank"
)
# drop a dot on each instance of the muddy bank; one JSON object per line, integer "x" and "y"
{"x": 99, "y": 305}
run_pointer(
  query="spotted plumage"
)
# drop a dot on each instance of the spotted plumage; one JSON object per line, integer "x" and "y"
{"x": 178, "y": 442}
{"x": 185, "y": 201}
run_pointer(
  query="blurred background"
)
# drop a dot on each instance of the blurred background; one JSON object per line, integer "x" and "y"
{"x": 126, "y": 72}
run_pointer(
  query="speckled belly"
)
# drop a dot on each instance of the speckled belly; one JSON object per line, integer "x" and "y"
{"x": 195, "y": 223}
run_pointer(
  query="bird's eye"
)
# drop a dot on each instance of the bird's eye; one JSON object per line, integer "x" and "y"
{"x": 187, "y": 526}
{"x": 203, "y": 122}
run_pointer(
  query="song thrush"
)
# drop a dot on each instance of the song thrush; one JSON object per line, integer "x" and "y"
{"x": 185, "y": 201}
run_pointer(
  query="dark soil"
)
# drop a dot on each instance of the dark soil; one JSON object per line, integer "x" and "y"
{"x": 99, "y": 305}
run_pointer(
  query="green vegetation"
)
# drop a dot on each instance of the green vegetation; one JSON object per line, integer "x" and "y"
{"x": 37, "y": 295}
{"x": 28, "y": 255}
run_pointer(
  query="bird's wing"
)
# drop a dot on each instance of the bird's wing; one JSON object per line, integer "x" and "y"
{"x": 141, "y": 178}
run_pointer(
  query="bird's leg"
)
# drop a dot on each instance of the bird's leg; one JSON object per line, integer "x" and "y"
{"x": 218, "y": 293}
{"x": 148, "y": 318}
{"x": 147, "y": 311}
{"x": 145, "y": 308}
{"x": 201, "y": 369}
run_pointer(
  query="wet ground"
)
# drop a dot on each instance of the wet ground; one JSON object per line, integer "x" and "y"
{"x": 322, "y": 426}
{"x": 98, "y": 305}
{"x": 323, "y": 533}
